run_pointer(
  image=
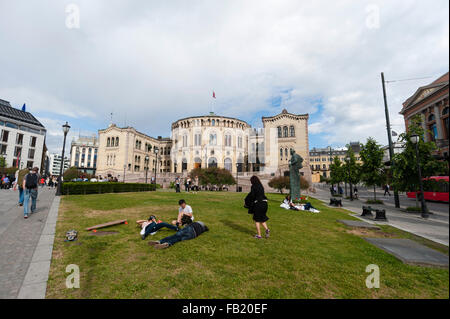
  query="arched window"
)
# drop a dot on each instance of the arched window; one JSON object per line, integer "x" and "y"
{"x": 279, "y": 131}
{"x": 108, "y": 142}
{"x": 286, "y": 152}
{"x": 285, "y": 131}
{"x": 292, "y": 131}
{"x": 228, "y": 164}
{"x": 213, "y": 123}
{"x": 117, "y": 141}
{"x": 431, "y": 117}
{"x": 281, "y": 152}
{"x": 212, "y": 139}
{"x": 212, "y": 162}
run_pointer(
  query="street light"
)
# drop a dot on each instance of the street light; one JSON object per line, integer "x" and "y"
{"x": 415, "y": 140}
{"x": 347, "y": 159}
{"x": 146, "y": 168}
{"x": 124, "y": 169}
{"x": 66, "y": 128}
{"x": 156, "y": 150}
{"x": 237, "y": 177}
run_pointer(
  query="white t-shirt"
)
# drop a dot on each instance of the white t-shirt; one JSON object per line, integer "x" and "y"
{"x": 187, "y": 209}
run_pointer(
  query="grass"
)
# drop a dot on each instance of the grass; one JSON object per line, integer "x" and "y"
{"x": 308, "y": 255}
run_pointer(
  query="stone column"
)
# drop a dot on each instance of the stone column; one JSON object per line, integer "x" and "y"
{"x": 437, "y": 115}
{"x": 424, "y": 126}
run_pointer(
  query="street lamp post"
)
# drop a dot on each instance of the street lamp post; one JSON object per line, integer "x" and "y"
{"x": 66, "y": 128}
{"x": 124, "y": 169}
{"x": 146, "y": 168}
{"x": 415, "y": 140}
{"x": 156, "y": 150}
{"x": 349, "y": 177}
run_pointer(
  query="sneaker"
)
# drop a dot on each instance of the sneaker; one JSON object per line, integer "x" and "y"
{"x": 257, "y": 236}
{"x": 20, "y": 204}
{"x": 162, "y": 246}
{"x": 153, "y": 243}
{"x": 25, "y": 216}
{"x": 267, "y": 233}
{"x": 143, "y": 237}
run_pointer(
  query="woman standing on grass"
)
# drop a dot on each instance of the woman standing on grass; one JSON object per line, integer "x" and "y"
{"x": 256, "y": 202}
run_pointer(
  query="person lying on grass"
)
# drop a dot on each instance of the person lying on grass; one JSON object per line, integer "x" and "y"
{"x": 184, "y": 210}
{"x": 151, "y": 226}
{"x": 288, "y": 204}
{"x": 191, "y": 231}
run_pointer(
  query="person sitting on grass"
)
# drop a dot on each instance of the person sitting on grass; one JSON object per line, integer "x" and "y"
{"x": 191, "y": 231}
{"x": 288, "y": 204}
{"x": 151, "y": 226}
{"x": 183, "y": 210}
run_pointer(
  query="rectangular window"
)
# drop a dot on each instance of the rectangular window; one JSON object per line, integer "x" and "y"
{"x": 19, "y": 139}
{"x": 4, "y": 137}
{"x": 3, "y": 148}
{"x": 33, "y": 141}
{"x": 30, "y": 164}
{"x": 11, "y": 125}
{"x": 17, "y": 151}
{"x": 31, "y": 153}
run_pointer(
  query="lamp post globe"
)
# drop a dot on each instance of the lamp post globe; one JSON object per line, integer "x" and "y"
{"x": 66, "y": 128}
{"x": 146, "y": 168}
{"x": 156, "y": 150}
{"x": 414, "y": 138}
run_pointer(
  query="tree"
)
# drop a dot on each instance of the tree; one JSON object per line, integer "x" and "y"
{"x": 213, "y": 176}
{"x": 352, "y": 170}
{"x": 405, "y": 176}
{"x": 372, "y": 167}
{"x": 336, "y": 171}
{"x": 71, "y": 173}
{"x": 2, "y": 162}
{"x": 280, "y": 183}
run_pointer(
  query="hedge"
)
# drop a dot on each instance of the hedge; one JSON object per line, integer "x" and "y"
{"x": 84, "y": 188}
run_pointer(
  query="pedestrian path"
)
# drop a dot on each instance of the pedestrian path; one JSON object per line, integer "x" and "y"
{"x": 19, "y": 238}
{"x": 433, "y": 228}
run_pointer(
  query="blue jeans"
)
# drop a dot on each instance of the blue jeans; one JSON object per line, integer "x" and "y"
{"x": 33, "y": 194}
{"x": 20, "y": 195}
{"x": 151, "y": 228}
{"x": 184, "y": 234}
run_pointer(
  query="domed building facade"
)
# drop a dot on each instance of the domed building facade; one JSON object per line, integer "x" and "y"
{"x": 209, "y": 141}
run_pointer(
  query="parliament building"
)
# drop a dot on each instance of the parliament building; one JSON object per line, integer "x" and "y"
{"x": 205, "y": 141}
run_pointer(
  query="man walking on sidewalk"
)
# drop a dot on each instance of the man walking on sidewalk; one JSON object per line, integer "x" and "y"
{"x": 30, "y": 186}
{"x": 386, "y": 190}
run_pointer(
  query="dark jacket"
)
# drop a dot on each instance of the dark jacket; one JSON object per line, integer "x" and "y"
{"x": 255, "y": 196}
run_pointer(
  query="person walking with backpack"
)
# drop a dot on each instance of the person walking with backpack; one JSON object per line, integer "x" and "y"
{"x": 30, "y": 186}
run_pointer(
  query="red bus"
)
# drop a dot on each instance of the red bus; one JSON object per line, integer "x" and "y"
{"x": 435, "y": 188}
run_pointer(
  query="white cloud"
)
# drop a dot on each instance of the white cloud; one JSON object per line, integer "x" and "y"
{"x": 155, "y": 62}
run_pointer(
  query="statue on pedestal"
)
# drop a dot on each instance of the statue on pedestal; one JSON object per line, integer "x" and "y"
{"x": 295, "y": 164}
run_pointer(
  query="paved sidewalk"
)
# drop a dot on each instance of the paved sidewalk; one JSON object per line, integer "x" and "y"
{"x": 434, "y": 228}
{"x": 19, "y": 238}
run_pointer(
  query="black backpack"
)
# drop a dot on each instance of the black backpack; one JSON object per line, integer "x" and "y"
{"x": 31, "y": 181}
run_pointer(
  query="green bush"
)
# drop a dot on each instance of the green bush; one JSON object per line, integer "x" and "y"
{"x": 374, "y": 201}
{"x": 413, "y": 209}
{"x": 84, "y": 188}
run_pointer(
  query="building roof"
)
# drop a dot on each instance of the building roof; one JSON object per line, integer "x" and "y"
{"x": 425, "y": 91}
{"x": 213, "y": 116}
{"x": 283, "y": 113}
{"x": 8, "y": 111}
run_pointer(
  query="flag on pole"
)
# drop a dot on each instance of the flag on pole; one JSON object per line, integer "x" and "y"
{"x": 24, "y": 107}
{"x": 214, "y": 94}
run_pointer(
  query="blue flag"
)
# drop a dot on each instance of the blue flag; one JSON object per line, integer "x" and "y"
{"x": 23, "y": 107}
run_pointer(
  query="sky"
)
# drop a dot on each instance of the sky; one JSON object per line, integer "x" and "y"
{"x": 151, "y": 63}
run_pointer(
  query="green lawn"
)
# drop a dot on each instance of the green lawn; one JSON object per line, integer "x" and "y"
{"x": 308, "y": 255}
